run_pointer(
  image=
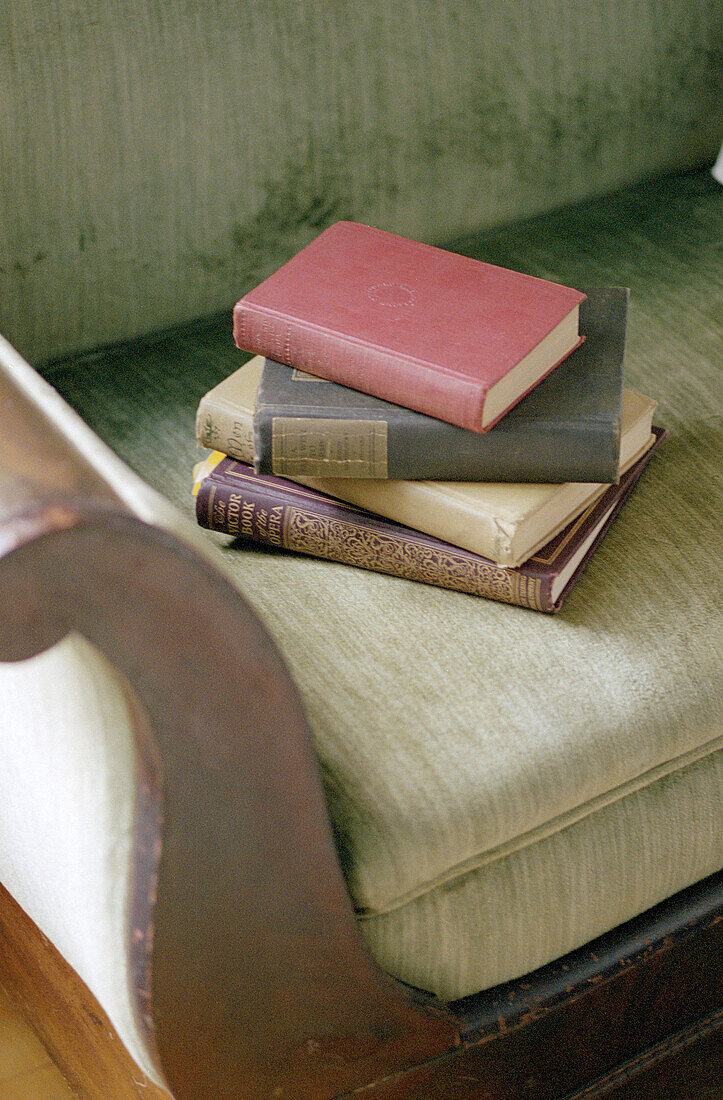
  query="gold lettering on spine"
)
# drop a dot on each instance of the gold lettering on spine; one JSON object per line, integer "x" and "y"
{"x": 218, "y": 512}
{"x": 233, "y": 513}
{"x": 274, "y": 532}
{"x": 247, "y": 518}
{"x": 328, "y": 447}
{"x": 210, "y": 509}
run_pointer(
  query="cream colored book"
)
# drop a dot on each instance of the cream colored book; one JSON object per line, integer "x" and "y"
{"x": 504, "y": 522}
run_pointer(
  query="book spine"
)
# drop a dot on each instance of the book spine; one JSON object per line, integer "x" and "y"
{"x": 247, "y": 506}
{"x": 318, "y": 446}
{"x": 420, "y": 448}
{"x": 530, "y": 452}
{"x": 410, "y": 383}
{"x": 224, "y": 428}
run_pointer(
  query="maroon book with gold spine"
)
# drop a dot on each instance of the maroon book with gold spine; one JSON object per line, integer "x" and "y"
{"x": 231, "y": 498}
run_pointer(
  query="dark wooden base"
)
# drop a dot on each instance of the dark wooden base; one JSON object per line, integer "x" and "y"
{"x": 636, "y": 1015}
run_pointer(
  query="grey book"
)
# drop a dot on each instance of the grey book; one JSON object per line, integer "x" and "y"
{"x": 566, "y": 429}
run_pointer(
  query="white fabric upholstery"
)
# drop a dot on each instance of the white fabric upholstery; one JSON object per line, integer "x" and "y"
{"x": 67, "y": 795}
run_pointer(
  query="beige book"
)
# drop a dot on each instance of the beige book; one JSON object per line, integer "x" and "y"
{"x": 501, "y": 521}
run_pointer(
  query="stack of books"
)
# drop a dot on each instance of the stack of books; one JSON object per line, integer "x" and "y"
{"x": 419, "y": 413}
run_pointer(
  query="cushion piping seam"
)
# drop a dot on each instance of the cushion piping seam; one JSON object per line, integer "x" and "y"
{"x": 546, "y": 829}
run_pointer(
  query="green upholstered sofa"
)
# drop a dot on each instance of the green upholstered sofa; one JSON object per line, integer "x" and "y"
{"x": 515, "y": 892}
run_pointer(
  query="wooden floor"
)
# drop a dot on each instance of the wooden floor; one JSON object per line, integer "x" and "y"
{"x": 26, "y": 1071}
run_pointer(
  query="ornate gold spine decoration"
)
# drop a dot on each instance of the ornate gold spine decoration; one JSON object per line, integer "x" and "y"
{"x": 357, "y": 545}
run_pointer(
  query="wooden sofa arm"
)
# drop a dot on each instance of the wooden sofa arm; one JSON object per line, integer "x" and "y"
{"x": 248, "y": 971}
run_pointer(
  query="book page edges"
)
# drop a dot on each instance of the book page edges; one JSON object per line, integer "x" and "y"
{"x": 560, "y": 342}
{"x": 523, "y": 546}
{"x": 570, "y": 499}
{"x": 559, "y": 582}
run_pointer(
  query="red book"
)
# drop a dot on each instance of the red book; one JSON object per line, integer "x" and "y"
{"x": 424, "y": 328}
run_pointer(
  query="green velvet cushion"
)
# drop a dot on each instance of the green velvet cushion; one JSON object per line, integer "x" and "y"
{"x": 504, "y": 785}
{"x": 157, "y": 159}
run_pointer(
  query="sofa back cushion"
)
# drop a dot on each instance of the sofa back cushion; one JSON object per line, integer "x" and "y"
{"x": 161, "y": 158}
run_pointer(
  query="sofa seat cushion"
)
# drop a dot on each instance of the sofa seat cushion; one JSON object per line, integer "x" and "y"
{"x": 504, "y": 785}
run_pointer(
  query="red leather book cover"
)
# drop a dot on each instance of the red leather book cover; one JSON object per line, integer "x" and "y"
{"x": 424, "y": 328}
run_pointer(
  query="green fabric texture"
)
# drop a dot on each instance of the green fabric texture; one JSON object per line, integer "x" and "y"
{"x": 504, "y": 785}
{"x": 158, "y": 157}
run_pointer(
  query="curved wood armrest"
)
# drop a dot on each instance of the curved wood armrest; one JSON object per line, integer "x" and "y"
{"x": 249, "y": 973}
